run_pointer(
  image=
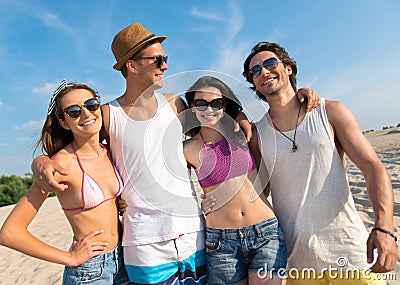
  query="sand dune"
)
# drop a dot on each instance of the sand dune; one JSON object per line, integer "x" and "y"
{"x": 387, "y": 146}
{"x": 52, "y": 227}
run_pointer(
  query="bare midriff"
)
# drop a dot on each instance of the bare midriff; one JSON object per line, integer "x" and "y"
{"x": 240, "y": 201}
{"x": 84, "y": 222}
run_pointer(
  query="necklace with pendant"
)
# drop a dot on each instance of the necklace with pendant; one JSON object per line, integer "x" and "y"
{"x": 294, "y": 147}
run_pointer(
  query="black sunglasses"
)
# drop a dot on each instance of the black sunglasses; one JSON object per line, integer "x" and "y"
{"x": 160, "y": 59}
{"x": 268, "y": 64}
{"x": 74, "y": 111}
{"x": 202, "y": 105}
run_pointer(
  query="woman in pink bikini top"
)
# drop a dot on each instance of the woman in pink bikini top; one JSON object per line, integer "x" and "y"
{"x": 242, "y": 233}
{"x": 91, "y": 193}
{"x": 70, "y": 136}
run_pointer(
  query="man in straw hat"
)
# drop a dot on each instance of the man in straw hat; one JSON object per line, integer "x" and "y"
{"x": 163, "y": 234}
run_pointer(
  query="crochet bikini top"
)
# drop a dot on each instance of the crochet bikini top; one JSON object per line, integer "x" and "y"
{"x": 92, "y": 195}
{"x": 224, "y": 160}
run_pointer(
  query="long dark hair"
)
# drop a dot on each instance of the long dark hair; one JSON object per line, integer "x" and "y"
{"x": 282, "y": 56}
{"x": 232, "y": 104}
{"x": 54, "y": 137}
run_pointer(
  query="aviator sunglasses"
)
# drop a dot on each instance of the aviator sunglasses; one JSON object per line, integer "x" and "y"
{"x": 159, "y": 58}
{"x": 268, "y": 64}
{"x": 202, "y": 105}
{"x": 74, "y": 111}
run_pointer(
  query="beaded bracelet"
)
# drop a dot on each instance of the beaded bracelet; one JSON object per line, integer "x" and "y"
{"x": 386, "y": 232}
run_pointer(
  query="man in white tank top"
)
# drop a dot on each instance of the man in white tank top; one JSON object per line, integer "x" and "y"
{"x": 163, "y": 236}
{"x": 303, "y": 154}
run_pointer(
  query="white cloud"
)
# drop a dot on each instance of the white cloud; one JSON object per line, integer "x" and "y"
{"x": 208, "y": 15}
{"x": 235, "y": 22}
{"x": 203, "y": 29}
{"x": 230, "y": 52}
{"x": 46, "y": 89}
{"x": 49, "y": 18}
{"x": 52, "y": 20}
{"x": 29, "y": 126}
{"x": 1, "y": 103}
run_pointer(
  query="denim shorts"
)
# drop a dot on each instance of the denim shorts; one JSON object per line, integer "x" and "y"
{"x": 105, "y": 269}
{"x": 232, "y": 253}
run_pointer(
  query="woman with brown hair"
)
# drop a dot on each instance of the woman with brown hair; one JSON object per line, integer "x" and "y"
{"x": 70, "y": 136}
{"x": 244, "y": 242}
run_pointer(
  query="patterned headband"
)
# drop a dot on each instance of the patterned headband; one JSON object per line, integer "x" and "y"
{"x": 63, "y": 84}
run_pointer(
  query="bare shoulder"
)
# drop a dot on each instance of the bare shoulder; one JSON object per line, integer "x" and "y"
{"x": 335, "y": 106}
{"x": 191, "y": 150}
{"x": 176, "y": 102}
{"x": 253, "y": 143}
{"x": 105, "y": 108}
{"x": 66, "y": 159}
{"x": 171, "y": 96}
{"x": 332, "y": 104}
{"x": 192, "y": 144}
{"x": 338, "y": 113}
{"x": 194, "y": 139}
{"x": 254, "y": 147}
{"x": 105, "y": 112}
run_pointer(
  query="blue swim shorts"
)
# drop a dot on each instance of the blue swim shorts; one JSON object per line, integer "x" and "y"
{"x": 172, "y": 262}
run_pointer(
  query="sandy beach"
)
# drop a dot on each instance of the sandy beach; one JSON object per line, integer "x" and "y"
{"x": 52, "y": 227}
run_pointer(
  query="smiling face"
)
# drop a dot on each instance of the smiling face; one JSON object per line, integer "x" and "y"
{"x": 148, "y": 70}
{"x": 210, "y": 116}
{"x": 270, "y": 82}
{"x": 89, "y": 122}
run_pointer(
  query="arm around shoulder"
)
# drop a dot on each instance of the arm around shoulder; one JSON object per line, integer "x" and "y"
{"x": 43, "y": 169}
{"x": 178, "y": 106}
{"x": 262, "y": 176}
{"x": 176, "y": 102}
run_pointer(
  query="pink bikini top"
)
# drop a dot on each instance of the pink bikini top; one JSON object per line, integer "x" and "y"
{"x": 92, "y": 195}
{"x": 224, "y": 160}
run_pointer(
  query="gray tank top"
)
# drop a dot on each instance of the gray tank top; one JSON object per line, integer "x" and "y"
{"x": 311, "y": 195}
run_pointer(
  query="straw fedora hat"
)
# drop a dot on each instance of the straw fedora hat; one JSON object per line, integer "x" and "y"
{"x": 129, "y": 41}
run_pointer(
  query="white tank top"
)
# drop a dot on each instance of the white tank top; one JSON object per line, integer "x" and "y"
{"x": 311, "y": 195}
{"x": 149, "y": 156}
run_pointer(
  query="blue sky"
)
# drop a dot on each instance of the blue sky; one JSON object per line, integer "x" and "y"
{"x": 346, "y": 50}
